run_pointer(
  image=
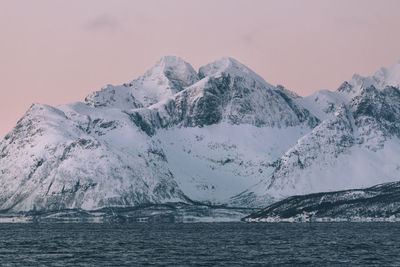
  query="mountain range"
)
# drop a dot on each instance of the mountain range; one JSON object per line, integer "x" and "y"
{"x": 221, "y": 135}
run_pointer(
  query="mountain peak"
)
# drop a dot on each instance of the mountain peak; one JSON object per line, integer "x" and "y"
{"x": 168, "y": 63}
{"x": 224, "y": 64}
{"x": 385, "y": 76}
{"x": 233, "y": 67}
{"x": 167, "y": 77}
{"x": 171, "y": 60}
{"x": 388, "y": 76}
{"x": 177, "y": 71}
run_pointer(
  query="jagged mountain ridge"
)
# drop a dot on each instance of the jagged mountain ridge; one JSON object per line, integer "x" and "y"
{"x": 356, "y": 145}
{"x": 234, "y": 94}
{"x": 167, "y": 77}
{"x": 220, "y": 136}
{"x": 117, "y": 149}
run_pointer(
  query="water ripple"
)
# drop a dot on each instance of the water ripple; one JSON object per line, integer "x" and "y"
{"x": 214, "y": 244}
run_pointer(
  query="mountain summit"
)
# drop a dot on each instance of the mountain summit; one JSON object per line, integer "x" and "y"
{"x": 167, "y": 77}
{"x": 219, "y": 136}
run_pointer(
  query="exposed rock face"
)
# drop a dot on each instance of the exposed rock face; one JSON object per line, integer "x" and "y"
{"x": 377, "y": 203}
{"x": 224, "y": 98}
{"x": 355, "y": 145}
{"x": 219, "y": 136}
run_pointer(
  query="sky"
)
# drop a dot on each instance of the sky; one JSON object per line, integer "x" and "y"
{"x": 55, "y": 52}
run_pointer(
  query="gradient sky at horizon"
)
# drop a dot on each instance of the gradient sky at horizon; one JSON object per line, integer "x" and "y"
{"x": 55, "y": 52}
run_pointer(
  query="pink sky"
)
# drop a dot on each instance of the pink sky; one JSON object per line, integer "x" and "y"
{"x": 56, "y": 52}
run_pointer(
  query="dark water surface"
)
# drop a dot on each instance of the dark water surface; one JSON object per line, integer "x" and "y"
{"x": 214, "y": 244}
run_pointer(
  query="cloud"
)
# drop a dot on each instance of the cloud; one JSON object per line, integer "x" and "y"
{"x": 250, "y": 37}
{"x": 103, "y": 22}
{"x": 247, "y": 38}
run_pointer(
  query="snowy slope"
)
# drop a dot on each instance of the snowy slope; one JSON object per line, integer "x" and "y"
{"x": 169, "y": 76}
{"x": 171, "y": 135}
{"x": 220, "y": 136}
{"x": 77, "y": 157}
{"x": 213, "y": 163}
{"x": 322, "y": 104}
{"x": 356, "y": 145}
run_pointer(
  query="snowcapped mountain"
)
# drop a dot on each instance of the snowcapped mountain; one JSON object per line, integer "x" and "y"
{"x": 384, "y": 77}
{"x": 74, "y": 156}
{"x": 356, "y": 144}
{"x": 169, "y": 76}
{"x": 221, "y": 135}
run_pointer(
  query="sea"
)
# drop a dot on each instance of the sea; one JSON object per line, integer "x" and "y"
{"x": 200, "y": 244}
